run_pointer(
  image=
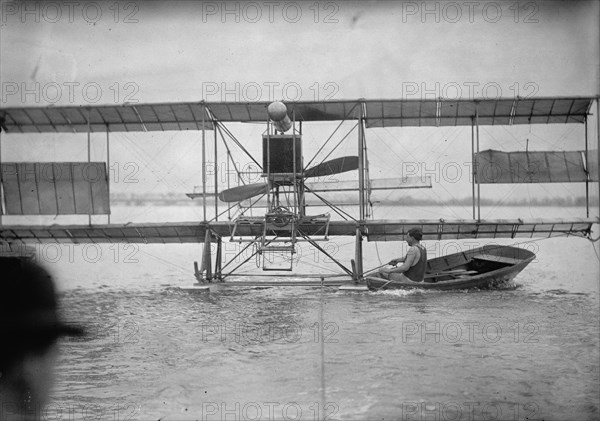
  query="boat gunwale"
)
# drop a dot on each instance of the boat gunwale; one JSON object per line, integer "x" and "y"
{"x": 465, "y": 282}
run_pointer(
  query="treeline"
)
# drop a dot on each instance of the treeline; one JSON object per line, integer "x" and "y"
{"x": 175, "y": 198}
{"x": 467, "y": 201}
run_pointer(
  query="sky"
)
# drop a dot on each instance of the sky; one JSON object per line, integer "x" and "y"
{"x": 172, "y": 50}
{"x": 61, "y": 53}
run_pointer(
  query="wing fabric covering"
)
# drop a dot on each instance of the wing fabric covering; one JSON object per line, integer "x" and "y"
{"x": 497, "y": 167}
{"x": 377, "y": 113}
{"x": 55, "y": 188}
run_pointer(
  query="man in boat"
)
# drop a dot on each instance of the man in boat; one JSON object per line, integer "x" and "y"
{"x": 413, "y": 264}
{"x": 29, "y": 329}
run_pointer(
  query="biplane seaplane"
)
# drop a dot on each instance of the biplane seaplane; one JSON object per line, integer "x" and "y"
{"x": 287, "y": 181}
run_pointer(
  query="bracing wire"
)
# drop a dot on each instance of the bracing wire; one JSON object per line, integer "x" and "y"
{"x": 166, "y": 262}
{"x": 413, "y": 157}
{"x": 596, "y": 251}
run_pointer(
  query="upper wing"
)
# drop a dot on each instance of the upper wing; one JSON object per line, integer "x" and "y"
{"x": 376, "y": 113}
{"x": 101, "y": 118}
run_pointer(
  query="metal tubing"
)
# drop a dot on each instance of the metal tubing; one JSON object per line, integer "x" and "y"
{"x": 108, "y": 169}
{"x": 206, "y": 262}
{"x": 203, "y": 163}
{"x": 216, "y": 178}
{"x": 89, "y": 159}
{"x": 361, "y": 168}
{"x": 367, "y": 195}
{"x": 473, "y": 164}
{"x": 301, "y": 196}
{"x": 294, "y": 158}
{"x": 478, "y": 183}
{"x": 228, "y": 186}
{"x": 218, "y": 259}
{"x": 89, "y": 153}
{"x": 358, "y": 258}
{"x": 268, "y": 172}
{"x": 587, "y": 172}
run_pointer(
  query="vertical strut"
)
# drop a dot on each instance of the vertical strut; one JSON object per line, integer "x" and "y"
{"x": 268, "y": 161}
{"x": 478, "y": 181}
{"x": 206, "y": 262}
{"x": 473, "y": 164}
{"x": 89, "y": 158}
{"x": 216, "y": 178}
{"x": 295, "y": 184}
{"x": 358, "y": 254}
{"x": 108, "y": 169}
{"x": 598, "y": 147}
{"x": 219, "y": 260}
{"x": 367, "y": 177}
{"x": 587, "y": 172}
{"x": 361, "y": 169}
{"x": 301, "y": 199}
{"x": 203, "y": 162}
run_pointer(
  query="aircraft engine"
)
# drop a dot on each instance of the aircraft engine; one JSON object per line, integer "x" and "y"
{"x": 278, "y": 113}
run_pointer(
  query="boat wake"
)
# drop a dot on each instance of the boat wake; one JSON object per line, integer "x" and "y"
{"x": 506, "y": 286}
{"x": 561, "y": 291}
{"x": 404, "y": 292}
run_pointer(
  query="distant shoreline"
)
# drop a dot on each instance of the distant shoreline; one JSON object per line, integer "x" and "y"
{"x": 178, "y": 199}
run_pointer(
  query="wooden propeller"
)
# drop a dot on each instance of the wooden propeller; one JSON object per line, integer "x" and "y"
{"x": 333, "y": 166}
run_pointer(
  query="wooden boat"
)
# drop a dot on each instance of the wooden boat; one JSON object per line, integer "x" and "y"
{"x": 484, "y": 267}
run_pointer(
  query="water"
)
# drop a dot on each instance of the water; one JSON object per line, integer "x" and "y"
{"x": 528, "y": 351}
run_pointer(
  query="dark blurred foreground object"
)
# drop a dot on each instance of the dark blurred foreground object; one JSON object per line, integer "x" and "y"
{"x": 29, "y": 327}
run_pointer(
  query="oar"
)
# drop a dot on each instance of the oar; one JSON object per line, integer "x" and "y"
{"x": 391, "y": 280}
{"x": 379, "y": 267}
{"x": 374, "y": 269}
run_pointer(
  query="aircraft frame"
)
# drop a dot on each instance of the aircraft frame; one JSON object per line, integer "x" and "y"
{"x": 205, "y": 116}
